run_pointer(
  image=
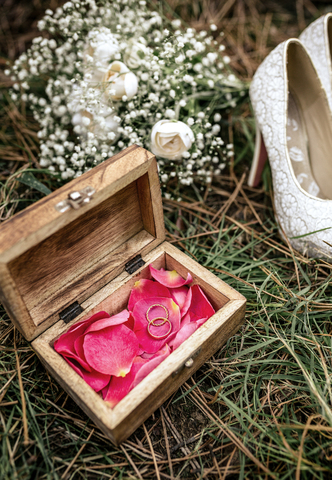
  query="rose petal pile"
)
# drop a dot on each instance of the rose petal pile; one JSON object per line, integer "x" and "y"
{"x": 113, "y": 354}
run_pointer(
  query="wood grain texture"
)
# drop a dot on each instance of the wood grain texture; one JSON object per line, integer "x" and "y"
{"x": 37, "y": 222}
{"x": 145, "y": 398}
{"x": 67, "y": 257}
{"x": 144, "y": 195}
{"x": 71, "y": 252}
{"x": 13, "y": 303}
{"x": 156, "y": 203}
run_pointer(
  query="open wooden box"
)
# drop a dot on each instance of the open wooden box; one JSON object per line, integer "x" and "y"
{"x": 80, "y": 250}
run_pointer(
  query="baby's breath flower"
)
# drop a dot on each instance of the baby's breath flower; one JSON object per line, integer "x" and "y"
{"x": 88, "y": 109}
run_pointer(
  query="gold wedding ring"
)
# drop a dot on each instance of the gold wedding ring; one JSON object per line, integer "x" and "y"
{"x": 159, "y": 324}
{"x": 160, "y": 337}
{"x": 156, "y": 305}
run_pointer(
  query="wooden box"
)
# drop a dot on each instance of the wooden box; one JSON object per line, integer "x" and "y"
{"x": 80, "y": 250}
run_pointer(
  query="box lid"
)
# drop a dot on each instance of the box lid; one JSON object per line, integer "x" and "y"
{"x": 65, "y": 247}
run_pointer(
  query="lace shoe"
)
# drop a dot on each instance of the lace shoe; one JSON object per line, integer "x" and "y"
{"x": 294, "y": 129}
{"x": 317, "y": 39}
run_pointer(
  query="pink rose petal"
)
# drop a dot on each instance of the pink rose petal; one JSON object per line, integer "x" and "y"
{"x": 200, "y": 305}
{"x": 147, "y": 356}
{"x": 179, "y": 295}
{"x": 111, "y": 350}
{"x": 187, "y": 303}
{"x": 87, "y": 322}
{"x": 185, "y": 320}
{"x": 150, "y": 365}
{"x": 78, "y": 359}
{"x": 130, "y": 322}
{"x": 80, "y": 353}
{"x": 120, "y": 386}
{"x": 201, "y": 321}
{"x": 193, "y": 317}
{"x": 65, "y": 345}
{"x": 190, "y": 317}
{"x": 170, "y": 279}
{"x": 144, "y": 289}
{"x": 96, "y": 380}
{"x": 118, "y": 389}
{"x": 146, "y": 341}
{"x": 117, "y": 319}
{"x": 183, "y": 334}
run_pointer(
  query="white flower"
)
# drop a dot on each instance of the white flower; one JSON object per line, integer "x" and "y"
{"x": 107, "y": 124}
{"x": 82, "y": 118}
{"x": 102, "y": 124}
{"x": 212, "y": 57}
{"x": 176, "y": 23}
{"x": 199, "y": 47}
{"x": 134, "y": 53}
{"x": 120, "y": 82}
{"x": 188, "y": 78}
{"x": 75, "y": 103}
{"x": 101, "y": 47}
{"x": 170, "y": 139}
{"x": 170, "y": 113}
{"x": 180, "y": 59}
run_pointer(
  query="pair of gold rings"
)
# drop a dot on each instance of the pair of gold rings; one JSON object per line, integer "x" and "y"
{"x": 158, "y": 324}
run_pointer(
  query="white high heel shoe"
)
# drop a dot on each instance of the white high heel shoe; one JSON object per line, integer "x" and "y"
{"x": 317, "y": 39}
{"x": 295, "y": 122}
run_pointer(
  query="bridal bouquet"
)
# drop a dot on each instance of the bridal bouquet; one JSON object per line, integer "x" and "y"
{"x": 109, "y": 74}
{"x": 114, "y": 354}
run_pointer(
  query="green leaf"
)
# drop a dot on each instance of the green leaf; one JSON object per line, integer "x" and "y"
{"x": 29, "y": 179}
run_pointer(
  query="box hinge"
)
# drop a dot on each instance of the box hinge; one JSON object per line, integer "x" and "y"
{"x": 71, "y": 312}
{"x": 134, "y": 264}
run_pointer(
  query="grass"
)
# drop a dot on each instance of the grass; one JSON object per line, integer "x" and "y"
{"x": 260, "y": 408}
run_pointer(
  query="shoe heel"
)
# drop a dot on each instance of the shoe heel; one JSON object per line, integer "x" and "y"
{"x": 260, "y": 157}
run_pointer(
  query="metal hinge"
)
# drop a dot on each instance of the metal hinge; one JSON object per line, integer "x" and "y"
{"x": 76, "y": 199}
{"x": 71, "y": 312}
{"x": 134, "y": 264}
